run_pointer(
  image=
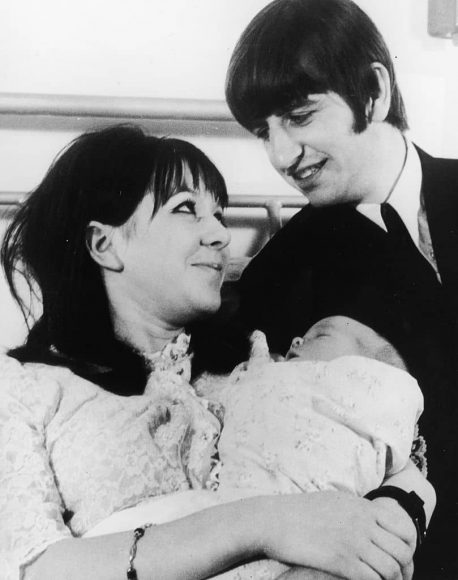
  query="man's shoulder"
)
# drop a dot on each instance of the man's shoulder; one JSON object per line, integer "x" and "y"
{"x": 316, "y": 237}
{"x": 315, "y": 223}
{"x": 437, "y": 167}
{"x": 439, "y": 185}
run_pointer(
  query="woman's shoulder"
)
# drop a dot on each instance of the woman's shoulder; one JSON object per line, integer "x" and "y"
{"x": 34, "y": 391}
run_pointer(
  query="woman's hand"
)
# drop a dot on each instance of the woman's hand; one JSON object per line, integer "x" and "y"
{"x": 340, "y": 534}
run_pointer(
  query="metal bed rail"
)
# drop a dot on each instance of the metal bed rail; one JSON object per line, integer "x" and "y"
{"x": 20, "y": 104}
{"x": 28, "y": 105}
{"x": 272, "y": 204}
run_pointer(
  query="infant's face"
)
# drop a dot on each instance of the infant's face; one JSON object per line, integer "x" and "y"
{"x": 333, "y": 337}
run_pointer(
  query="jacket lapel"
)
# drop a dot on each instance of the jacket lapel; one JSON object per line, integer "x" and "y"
{"x": 440, "y": 191}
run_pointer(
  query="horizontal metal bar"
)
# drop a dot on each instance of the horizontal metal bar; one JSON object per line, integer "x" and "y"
{"x": 271, "y": 203}
{"x": 242, "y": 200}
{"x": 11, "y": 198}
{"x": 114, "y": 107}
{"x": 266, "y": 201}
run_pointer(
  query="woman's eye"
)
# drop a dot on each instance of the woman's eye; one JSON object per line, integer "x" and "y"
{"x": 186, "y": 207}
{"x": 220, "y": 217}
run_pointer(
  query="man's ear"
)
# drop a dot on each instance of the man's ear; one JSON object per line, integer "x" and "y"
{"x": 101, "y": 246}
{"x": 377, "y": 108}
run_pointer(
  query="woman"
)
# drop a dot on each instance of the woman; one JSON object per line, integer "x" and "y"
{"x": 124, "y": 239}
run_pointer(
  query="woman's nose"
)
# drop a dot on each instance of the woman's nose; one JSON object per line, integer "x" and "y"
{"x": 215, "y": 234}
{"x": 283, "y": 150}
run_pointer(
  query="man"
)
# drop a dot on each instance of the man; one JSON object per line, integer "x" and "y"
{"x": 313, "y": 79}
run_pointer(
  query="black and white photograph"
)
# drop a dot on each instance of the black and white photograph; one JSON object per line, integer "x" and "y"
{"x": 229, "y": 290}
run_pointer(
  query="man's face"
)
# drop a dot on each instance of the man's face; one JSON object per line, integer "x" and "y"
{"x": 315, "y": 149}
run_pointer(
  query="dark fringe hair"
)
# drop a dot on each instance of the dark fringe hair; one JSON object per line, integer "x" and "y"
{"x": 102, "y": 175}
{"x": 294, "y": 48}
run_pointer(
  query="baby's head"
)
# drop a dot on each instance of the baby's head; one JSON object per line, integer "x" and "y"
{"x": 337, "y": 336}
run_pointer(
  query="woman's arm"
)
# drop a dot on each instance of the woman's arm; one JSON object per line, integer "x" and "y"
{"x": 330, "y": 531}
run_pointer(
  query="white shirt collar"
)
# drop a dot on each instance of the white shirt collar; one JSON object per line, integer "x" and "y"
{"x": 405, "y": 197}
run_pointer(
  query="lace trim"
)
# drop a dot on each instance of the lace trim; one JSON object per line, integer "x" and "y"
{"x": 418, "y": 452}
{"x": 174, "y": 357}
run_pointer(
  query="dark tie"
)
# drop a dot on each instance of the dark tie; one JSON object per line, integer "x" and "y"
{"x": 412, "y": 278}
{"x": 402, "y": 240}
{"x": 394, "y": 225}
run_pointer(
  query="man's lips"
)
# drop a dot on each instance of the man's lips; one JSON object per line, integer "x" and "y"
{"x": 301, "y": 174}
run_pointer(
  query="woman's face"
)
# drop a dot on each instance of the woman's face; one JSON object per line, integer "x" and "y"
{"x": 174, "y": 261}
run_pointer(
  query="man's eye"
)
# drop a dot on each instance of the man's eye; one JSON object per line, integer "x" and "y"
{"x": 300, "y": 119}
{"x": 261, "y": 133}
{"x": 186, "y": 207}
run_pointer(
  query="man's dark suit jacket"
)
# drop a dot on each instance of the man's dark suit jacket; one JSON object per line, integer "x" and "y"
{"x": 336, "y": 261}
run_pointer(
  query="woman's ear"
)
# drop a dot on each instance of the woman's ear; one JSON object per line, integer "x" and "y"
{"x": 101, "y": 246}
{"x": 378, "y": 107}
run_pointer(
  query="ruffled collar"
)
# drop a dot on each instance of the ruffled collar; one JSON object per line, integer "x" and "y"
{"x": 175, "y": 358}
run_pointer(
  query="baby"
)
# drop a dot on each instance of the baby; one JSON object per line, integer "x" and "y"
{"x": 338, "y": 413}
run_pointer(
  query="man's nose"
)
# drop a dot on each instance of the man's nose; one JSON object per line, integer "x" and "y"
{"x": 283, "y": 150}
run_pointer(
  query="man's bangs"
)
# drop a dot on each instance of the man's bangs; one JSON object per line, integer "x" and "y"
{"x": 270, "y": 92}
{"x": 270, "y": 80}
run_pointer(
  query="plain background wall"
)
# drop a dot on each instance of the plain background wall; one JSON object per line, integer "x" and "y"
{"x": 180, "y": 49}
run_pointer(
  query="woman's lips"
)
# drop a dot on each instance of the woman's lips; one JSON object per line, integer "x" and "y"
{"x": 212, "y": 265}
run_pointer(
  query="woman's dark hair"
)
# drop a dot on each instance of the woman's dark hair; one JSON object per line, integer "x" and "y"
{"x": 102, "y": 175}
{"x": 294, "y": 48}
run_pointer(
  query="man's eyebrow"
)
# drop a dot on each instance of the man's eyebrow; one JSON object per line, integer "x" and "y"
{"x": 303, "y": 103}
{"x": 306, "y": 103}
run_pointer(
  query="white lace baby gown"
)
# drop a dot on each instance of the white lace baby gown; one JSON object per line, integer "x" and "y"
{"x": 291, "y": 427}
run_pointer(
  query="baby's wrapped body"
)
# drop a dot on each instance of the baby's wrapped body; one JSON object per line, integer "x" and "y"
{"x": 292, "y": 427}
{"x": 304, "y": 426}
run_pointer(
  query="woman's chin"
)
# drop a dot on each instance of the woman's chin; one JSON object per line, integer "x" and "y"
{"x": 211, "y": 307}
{"x": 202, "y": 308}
